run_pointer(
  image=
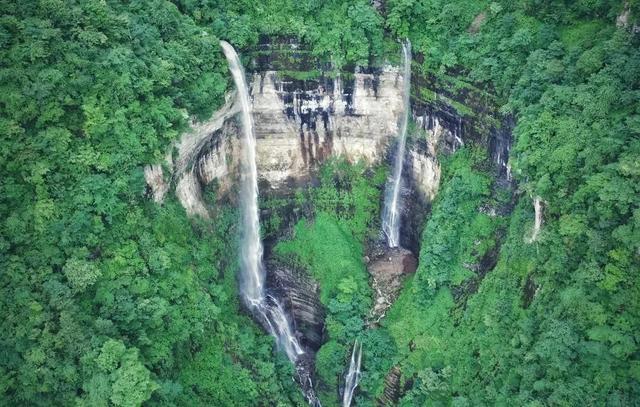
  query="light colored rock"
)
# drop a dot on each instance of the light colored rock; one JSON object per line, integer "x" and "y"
{"x": 425, "y": 168}
{"x": 477, "y": 22}
{"x": 191, "y": 142}
{"x": 200, "y": 157}
{"x": 154, "y": 177}
{"x": 622, "y": 21}
{"x": 425, "y": 171}
{"x": 189, "y": 194}
{"x": 538, "y": 207}
{"x": 295, "y": 131}
{"x": 288, "y": 146}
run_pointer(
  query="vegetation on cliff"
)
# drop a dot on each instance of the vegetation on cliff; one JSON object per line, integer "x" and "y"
{"x": 556, "y": 321}
{"x": 106, "y": 298}
{"x": 109, "y": 299}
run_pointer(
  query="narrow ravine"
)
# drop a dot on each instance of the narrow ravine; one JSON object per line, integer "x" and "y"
{"x": 264, "y": 307}
{"x": 391, "y": 214}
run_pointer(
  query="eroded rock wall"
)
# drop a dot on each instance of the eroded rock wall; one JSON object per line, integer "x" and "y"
{"x": 299, "y": 124}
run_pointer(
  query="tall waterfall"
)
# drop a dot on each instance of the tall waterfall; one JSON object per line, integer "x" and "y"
{"x": 353, "y": 375}
{"x": 252, "y": 282}
{"x": 392, "y": 203}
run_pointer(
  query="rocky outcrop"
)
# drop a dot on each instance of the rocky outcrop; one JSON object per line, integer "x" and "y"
{"x": 425, "y": 173}
{"x": 392, "y": 388}
{"x": 208, "y": 151}
{"x": 205, "y": 153}
{"x": 299, "y": 296}
{"x": 623, "y": 20}
{"x": 500, "y": 149}
{"x": 298, "y": 124}
{"x": 154, "y": 177}
{"x": 538, "y": 207}
{"x": 450, "y": 117}
{"x": 387, "y": 271}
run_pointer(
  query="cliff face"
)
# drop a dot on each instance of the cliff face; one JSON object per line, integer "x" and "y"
{"x": 207, "y": 152}
{"x": 300, "y": 297}
{"x": 451, "y": 115}
{"x": 300, "y": 123}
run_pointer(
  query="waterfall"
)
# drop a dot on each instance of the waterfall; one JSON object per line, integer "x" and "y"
{"x": 392, "y": 204}
{"x": 252, "y": 282}
{"x": 353, "y": 375}
{"x": 538, "y": 207}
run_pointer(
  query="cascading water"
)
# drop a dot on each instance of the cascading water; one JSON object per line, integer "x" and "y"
{"x": 392, "y": 204}
{"x": 264, "y": 307}
{"x": 353, "y": 375}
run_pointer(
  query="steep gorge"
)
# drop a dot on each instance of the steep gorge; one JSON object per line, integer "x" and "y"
{"x": 300, "y": 123}
{"x": 518, "y": 283}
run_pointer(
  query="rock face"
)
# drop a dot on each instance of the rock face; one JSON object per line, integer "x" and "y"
{"x": 474, "y": 120}
{"x": 538, "y": 207}
{"x": 154, "y": 176}
{"x": 299, "y": 296}
{"x": 299, "y": 123}
{"x": 205, "y": 153}
{"x": 209, "y": 151}
{"x": 387, "y": 271}
{"x": 392, "y": 389}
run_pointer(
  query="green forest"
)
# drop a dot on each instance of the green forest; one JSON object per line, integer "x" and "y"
{"x": 108, "y": 298}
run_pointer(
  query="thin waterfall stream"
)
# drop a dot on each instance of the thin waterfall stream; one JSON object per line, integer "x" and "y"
{"x": 392, "y": 200}
{"x": 264, "y": 307}
{"x": 352, "y": 378}
{"x": 390, "y": 215}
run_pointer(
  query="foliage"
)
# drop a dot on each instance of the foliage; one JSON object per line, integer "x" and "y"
{"x": 457, "y": 234}
{"x": 108, "y": 299}
{"x": 350, "y": 193}
{"x": 454, "y": 240}
{"x": 554, "y": 322}
{"x": 330, "y": 247}
{"x": 340, "y": 32}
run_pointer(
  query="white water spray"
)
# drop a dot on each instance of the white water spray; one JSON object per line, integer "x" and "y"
{"x": 392, "y": 204}
{"x": 252, "y": 269}
{"x": 353, "y": 375}
{"x": 538, "y": 207}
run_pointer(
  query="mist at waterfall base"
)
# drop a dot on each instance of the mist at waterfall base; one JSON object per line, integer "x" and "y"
{"x": 264, "y": 307}
{"x": 392, "y": 199}
{"x": 353, "y": 375}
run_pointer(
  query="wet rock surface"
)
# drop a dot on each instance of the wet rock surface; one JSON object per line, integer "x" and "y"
{"x": 392, "y": 389}
{"x": 300, "y": 123}
{"x": 299, "y": 295}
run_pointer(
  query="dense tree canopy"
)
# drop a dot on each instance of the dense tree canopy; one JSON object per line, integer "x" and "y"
{"x": 556, "y": 321}
{"x": 110, "y": 299}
